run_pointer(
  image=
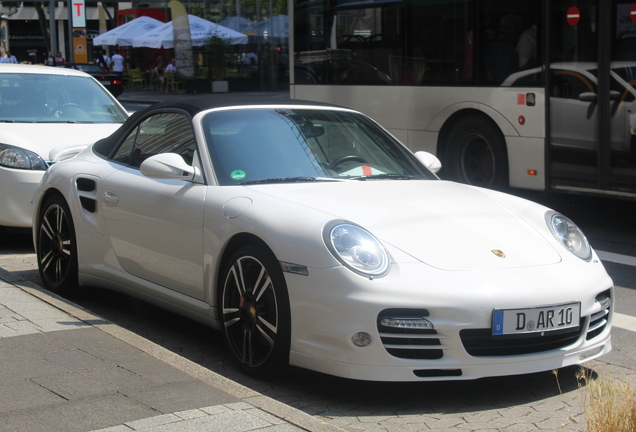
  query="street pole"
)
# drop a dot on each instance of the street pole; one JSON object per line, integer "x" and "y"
{"x": 52, "y": 27}
{"x": 70, "y": 56}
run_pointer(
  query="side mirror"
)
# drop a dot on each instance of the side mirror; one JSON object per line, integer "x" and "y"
{"x": 167, "y": 166}
{"x": 429, "y": 160}
{"x": 588, "y": 97}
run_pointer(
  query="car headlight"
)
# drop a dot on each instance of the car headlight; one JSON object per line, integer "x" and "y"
{"x": 19, "y": 158}
{"x": 569, "y": 235}
{"x": 357, "y": 249}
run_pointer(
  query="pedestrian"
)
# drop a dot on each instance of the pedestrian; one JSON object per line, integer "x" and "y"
{"x": 160, "y": 73}
{"x": 50, "y": 60}
{"x": 118, "y": 63}
{"x": 172, "y": 67}
{"x": 59, "y": 60}
{"x": 102, "y": 59}
{"x": 11, "y": 58}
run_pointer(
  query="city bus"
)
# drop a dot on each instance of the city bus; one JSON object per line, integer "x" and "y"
{"x": 533, "y": 94}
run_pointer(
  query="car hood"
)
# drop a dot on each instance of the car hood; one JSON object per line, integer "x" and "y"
{"x": 48, "y": 139}
{"x": 443, "y": 224}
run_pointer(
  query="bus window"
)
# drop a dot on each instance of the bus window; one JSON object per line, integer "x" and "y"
{"x": 418, "y": 43}
{"x": 509, "y": 41}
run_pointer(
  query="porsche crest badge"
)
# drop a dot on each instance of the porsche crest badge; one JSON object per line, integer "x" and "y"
{"x": 499, "y": 253}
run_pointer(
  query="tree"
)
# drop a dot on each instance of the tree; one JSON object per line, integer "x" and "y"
{"x": 44, "y": 24}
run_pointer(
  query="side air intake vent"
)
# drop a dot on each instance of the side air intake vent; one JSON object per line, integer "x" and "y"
{"x": 86, "y": 188}
{"x": 85, "y": 185}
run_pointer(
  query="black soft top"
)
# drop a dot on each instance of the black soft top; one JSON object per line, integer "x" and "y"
{"x": 193, "y": 105}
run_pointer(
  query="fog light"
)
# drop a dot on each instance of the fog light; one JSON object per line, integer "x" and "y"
{"x": 407, "y": 323}
{"x": 361, "y": 339}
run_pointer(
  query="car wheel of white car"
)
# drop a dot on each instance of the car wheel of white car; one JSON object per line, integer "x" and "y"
{"x": 56, "y": 246}
{"x": 254, "y": 309}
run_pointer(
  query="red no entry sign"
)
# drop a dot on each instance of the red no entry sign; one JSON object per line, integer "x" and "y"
{"x": 573, "y": 16}
{"x": 632, "y": 12}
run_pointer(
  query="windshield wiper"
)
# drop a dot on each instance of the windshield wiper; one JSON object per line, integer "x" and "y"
{"x": 386, "y": 176}
{"x": 292, "y": 180}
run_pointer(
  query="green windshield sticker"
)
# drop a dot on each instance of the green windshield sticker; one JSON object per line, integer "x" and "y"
{"x": 238, "y": 175}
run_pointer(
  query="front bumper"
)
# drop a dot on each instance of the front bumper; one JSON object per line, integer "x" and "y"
{"x": 16, "y": 193}
{"x": 329, "y": 306}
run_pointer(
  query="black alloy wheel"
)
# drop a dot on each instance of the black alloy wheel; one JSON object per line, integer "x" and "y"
{"x": 56, "y": 246}
{"x": 254, "y": 309}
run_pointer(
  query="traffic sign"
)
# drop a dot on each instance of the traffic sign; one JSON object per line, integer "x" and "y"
{"x": 573, "y": 16}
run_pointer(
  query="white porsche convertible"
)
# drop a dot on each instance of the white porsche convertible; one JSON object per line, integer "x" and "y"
{"x": 310, "y": 236}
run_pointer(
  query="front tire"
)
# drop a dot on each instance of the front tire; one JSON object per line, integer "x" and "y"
{"x": 476, "y": 154}
{"x": 254, "y": 310}
{"x": 56, "y": 246}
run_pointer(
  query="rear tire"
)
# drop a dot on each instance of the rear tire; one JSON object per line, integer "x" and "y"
{"x": 56, "y": 247}
{"x": 476, "y": 154}
{"x": 254, "y": 310}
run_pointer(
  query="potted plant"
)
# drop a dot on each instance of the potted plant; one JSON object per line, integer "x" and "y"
{"x": 217, "y": 61}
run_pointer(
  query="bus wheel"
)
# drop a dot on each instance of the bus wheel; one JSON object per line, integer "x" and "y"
{"x": 476, "y": 154}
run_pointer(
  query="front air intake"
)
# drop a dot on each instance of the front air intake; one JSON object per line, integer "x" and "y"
{"x": 405, "y": 333}
{"x": 598, "y": 321}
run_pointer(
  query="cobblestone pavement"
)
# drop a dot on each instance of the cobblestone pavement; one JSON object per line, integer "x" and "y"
{"x": 536, "y": 402}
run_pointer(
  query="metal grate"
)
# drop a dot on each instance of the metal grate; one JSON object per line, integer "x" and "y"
{"x": 481, "y": 343}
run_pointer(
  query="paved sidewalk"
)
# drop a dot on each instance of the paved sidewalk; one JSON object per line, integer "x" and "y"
{"x": 62, "y": 368}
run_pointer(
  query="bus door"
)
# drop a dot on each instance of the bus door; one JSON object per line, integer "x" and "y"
{"x": 592, "y": 101}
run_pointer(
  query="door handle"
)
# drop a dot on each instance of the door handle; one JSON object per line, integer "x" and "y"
{"x": 111, "y": 198}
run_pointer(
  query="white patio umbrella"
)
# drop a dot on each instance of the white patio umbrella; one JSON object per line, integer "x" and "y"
{"x": 200, "y": 32}
{"x": 239, "y": 24}
{"x": 124, "y": 34}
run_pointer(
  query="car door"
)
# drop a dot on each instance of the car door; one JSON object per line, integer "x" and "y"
{"x": 574, "y": 114}
{"x": 155, "y": 226}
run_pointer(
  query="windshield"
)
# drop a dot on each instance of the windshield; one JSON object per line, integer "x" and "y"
{"x": 90, "y": 68}
{"x": 40, "y": 98}
{"x": 251, "y": 146}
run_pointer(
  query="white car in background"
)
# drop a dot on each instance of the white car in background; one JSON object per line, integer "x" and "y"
{"x": 574, "y": 99}
{"x": 47, "y": 114}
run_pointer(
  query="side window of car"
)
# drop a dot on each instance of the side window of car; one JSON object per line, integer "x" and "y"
{"x": 124, "y": 152}
{"x": 164, "y": 133}
{"x": 161, "y": 133}
{"x": 570, "y": 84}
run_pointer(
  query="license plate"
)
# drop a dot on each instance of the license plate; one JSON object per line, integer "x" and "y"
{"x": 536, "y": 320}
{"x": 105, "y": 83}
